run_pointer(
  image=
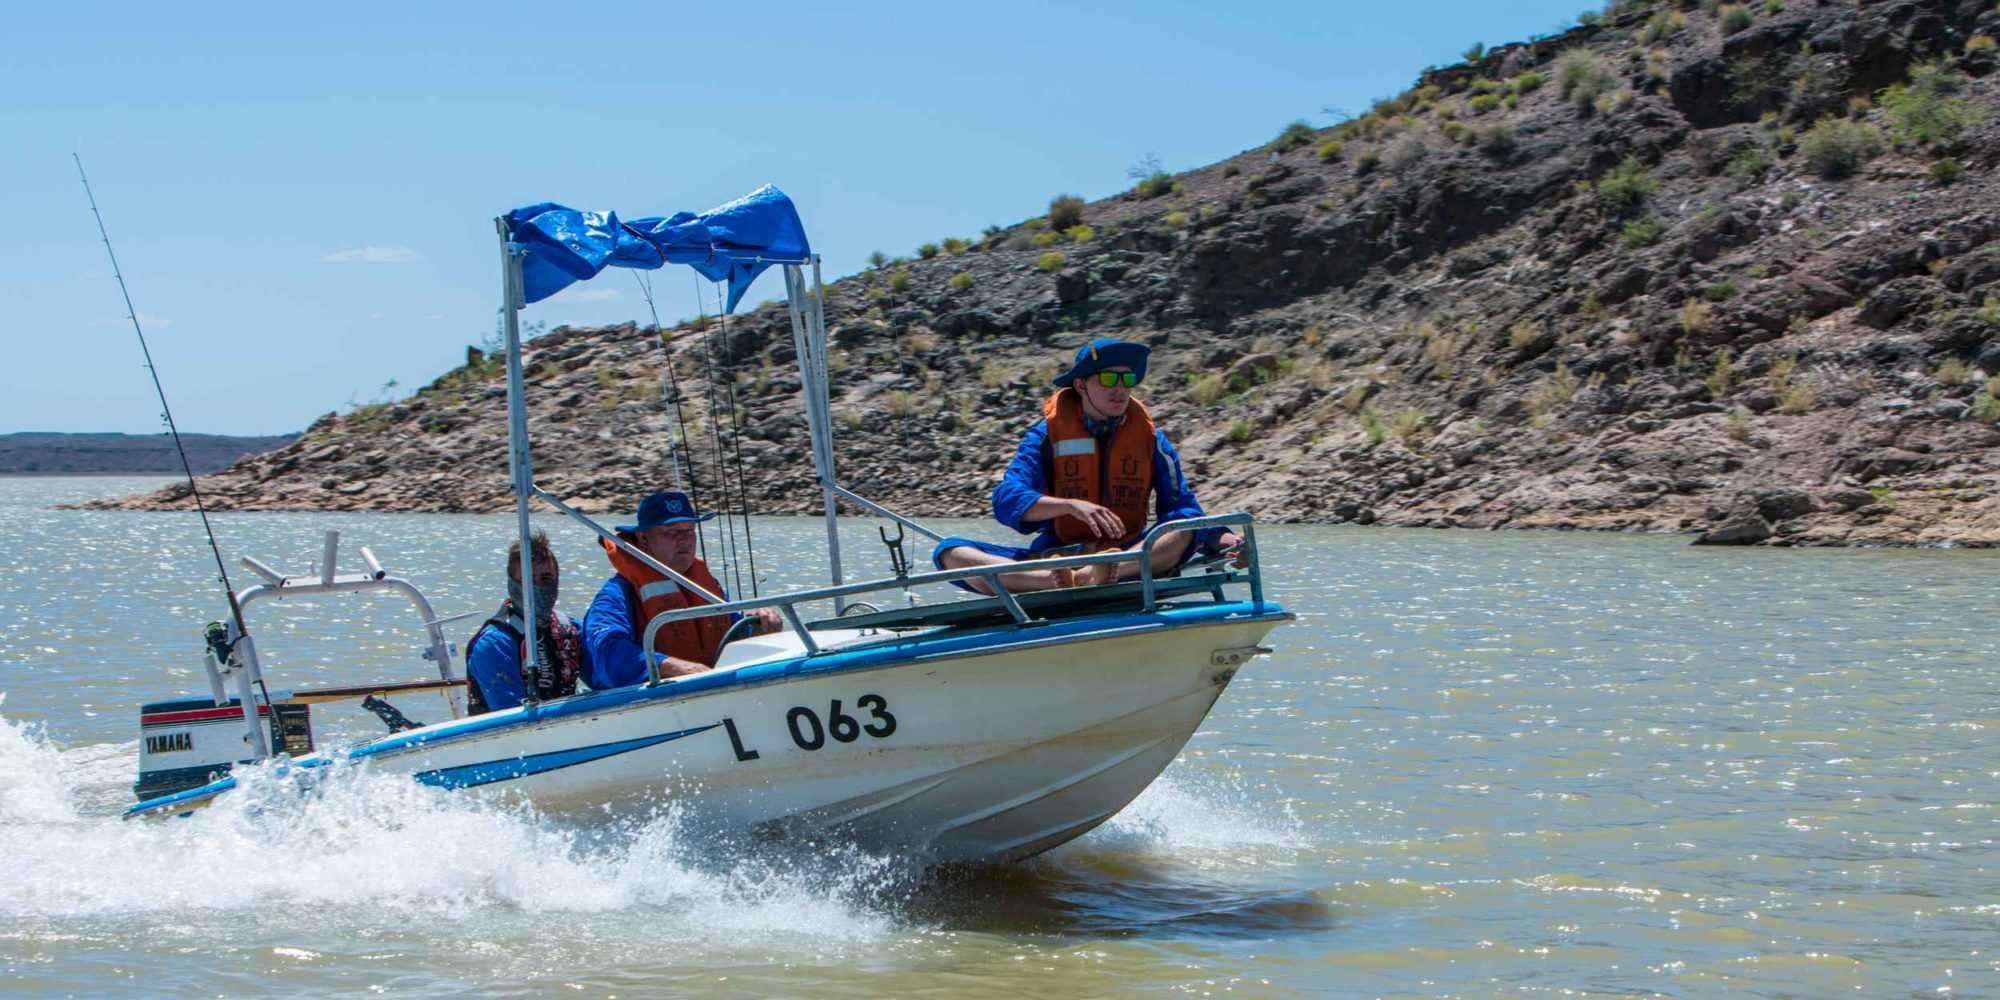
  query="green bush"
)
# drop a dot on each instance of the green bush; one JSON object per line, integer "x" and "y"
{"x": 1626, "y": 186}
{"x": 1157, "y": 184}
{"x": 1330, "y": 150}
{"x": 1583, "y": 75}
{"x": 1483, "y": 103}
{"x": 1497, "y": 140}
{"x": 1065, "y": 210}
{"x": 1175, "y": 219}
{"x": 1296, "y": 134}
{"x": 1732, "y": 18}
{"x": 1925, "y": 112}
{"x": 955, "y": 246}
{"x": 1476, "y": 53}
{"x": 1642, "y": 232}
{"x": 899, "y": 280}
{"x": 877, "y": 259}
{"x": 1051, "y": 261}
{"x": 1240, "y": 431}
{"x": 1080, "y": 234}
{"x": 1484, "y": 85}
{"x": 1529, "y": 82}
{"x": 1947, "y": 171}
{"x": 1836, "y": 147}
{"x": 960, "y": 281}
{"x": 1750, "y": 164}
{"x": 927, "y": 251}
{"x": 1046, "y": 239}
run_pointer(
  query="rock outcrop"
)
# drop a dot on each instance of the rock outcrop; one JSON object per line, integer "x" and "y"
{"x": 1666, "y": 272}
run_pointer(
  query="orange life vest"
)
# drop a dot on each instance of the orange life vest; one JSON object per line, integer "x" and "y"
{"x": 1118, "y": 475}
{"x": 696, "y": 639}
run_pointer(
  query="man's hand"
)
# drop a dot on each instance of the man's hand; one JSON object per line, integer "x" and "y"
{"x": 1231, "y": 540}
{"x": 768, "y": 621}
{"x": 1101, "y": 521}
{"x": 674, "y": 666}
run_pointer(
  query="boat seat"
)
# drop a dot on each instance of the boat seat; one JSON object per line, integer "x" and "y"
{"x": 1046, "y": 605}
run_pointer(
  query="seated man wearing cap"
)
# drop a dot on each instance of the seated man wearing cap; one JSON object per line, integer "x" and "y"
{"x": 1082, "y": 476}
{"x": 616, "y": 621}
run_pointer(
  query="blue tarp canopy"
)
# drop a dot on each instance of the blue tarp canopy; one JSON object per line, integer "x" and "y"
{"x": 732, "y": 243}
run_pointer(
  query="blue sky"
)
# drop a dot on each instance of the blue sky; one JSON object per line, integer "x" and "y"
{"x": 301, "y": 195}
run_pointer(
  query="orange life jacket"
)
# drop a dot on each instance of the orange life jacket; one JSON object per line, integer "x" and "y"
{"x": 696, "y": 639}
{"x": 1118, "y": 475}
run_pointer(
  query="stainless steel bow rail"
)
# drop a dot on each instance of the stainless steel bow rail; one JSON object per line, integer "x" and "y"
{"x": 1148, "y": 582}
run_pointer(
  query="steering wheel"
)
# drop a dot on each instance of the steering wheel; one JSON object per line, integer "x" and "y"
{"x": 731, "y": 635}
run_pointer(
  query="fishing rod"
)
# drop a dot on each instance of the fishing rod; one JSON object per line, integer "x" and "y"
{"x": 166, "y": 412}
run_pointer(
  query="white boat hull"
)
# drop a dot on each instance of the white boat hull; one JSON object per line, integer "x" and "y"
{"x": 991, "y": 747}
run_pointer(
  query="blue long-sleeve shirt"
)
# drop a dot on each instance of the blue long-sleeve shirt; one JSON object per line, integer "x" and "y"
{"x": 494, "y": 663}
{"x": 1027, "y": 480}
{"x": 611, "y": 633}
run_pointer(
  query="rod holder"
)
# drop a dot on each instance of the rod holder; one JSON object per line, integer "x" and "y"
{"x": 328, "y": 553}
{"x": 375, "y": 571}
{"x": 271, "y": 576}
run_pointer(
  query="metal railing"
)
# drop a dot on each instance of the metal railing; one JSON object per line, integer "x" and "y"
{"x": 788, "y": 603}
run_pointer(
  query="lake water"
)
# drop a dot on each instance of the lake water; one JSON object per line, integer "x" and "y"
{"x": 1514, "y": 764}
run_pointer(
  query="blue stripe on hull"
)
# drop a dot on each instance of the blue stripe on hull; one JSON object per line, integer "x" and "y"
{"x": 469, "y": 775}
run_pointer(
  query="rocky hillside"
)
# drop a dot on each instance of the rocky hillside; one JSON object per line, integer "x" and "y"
{"x": 1726, "y": 270}
{"x": 39, "y": 453}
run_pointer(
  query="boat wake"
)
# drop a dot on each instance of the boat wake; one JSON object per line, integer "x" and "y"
{"x": 361, "y": 849}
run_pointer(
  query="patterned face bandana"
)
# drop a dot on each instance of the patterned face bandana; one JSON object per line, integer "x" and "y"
{"x": 545, "y": 594}
{"x": 1101, "y": 429}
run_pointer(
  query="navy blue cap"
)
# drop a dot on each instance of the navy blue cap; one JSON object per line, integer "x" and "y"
{"x": 1105, "y": 352}
{"x": 664, "y": 507}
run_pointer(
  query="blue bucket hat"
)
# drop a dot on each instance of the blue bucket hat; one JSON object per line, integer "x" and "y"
{"x": 664, "y": 507}
{"x": 1106, "y": 352}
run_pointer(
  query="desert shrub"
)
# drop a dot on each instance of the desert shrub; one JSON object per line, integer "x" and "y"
{"x": 1175, "y": 219}
{"x": 1330, "y": 150}
{"x": 1980, "y": 43}
{"x": 1048, "y": 239}
{"x": 1954, "y": 372}
{"x": 1836, "y": 147}
{"x": 1475, "y": 53}
{"x": 1626, "y": 186}
{"x": 1051, "y": 261}
{"x": 1405, "y": 152}
{"x": 1736, "y": 426}
{"x": 1732, "y": 18}
{"x": 1796, "y": 399}
{"x": 1696, "y": 316}
{"x": 1721, "y": 375}
{"x": 1661, "y": 26}
{"x": 1483, "y": 103}
{"x": 1497, "y": 140}
{"x": 1986, "y": 406}
{"x": 919, "y": 341}
{"x": 877, "y": 259}
{"x": 1367, "y": 161}
{"x": 1406, "y": 424}
{"x": 1947, "y": 171}
{"x": 1206, "y": 389}
{"x": 1065, "y": 210}
{"x": 1925, "y": 112}
{"x": 927, "y": 251}
{"x": 899, "y": 280}
{"x": 994, "y": 374}
{"x": 1240, "y": 432}
{"x": 1642, "y": 232}
{"x": 1583, "y": 75}
{"x": 955, "y": 246}
{"x": 960, "y": 282}
{"x": 1154, "y": 185}
{"x": 899, "y": 402}
{"x": 1750, "y": 164}
{"x": 1484, "y": 85}
{"x": 1372, "y": 425}
{"x": 1524, "y": 333}
{"x": 1722, "y": 291}
{"x": 1528, "y": 82}
{"x": 1080, "y": 234}
{"x": 1293, "y": 136}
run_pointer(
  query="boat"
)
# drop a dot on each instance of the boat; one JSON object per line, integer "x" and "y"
{"x": 978, "y": 729}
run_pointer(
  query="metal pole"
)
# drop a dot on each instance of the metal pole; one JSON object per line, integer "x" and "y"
{"x": 519, "y": 459}
{"x": 822, "y": 397}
